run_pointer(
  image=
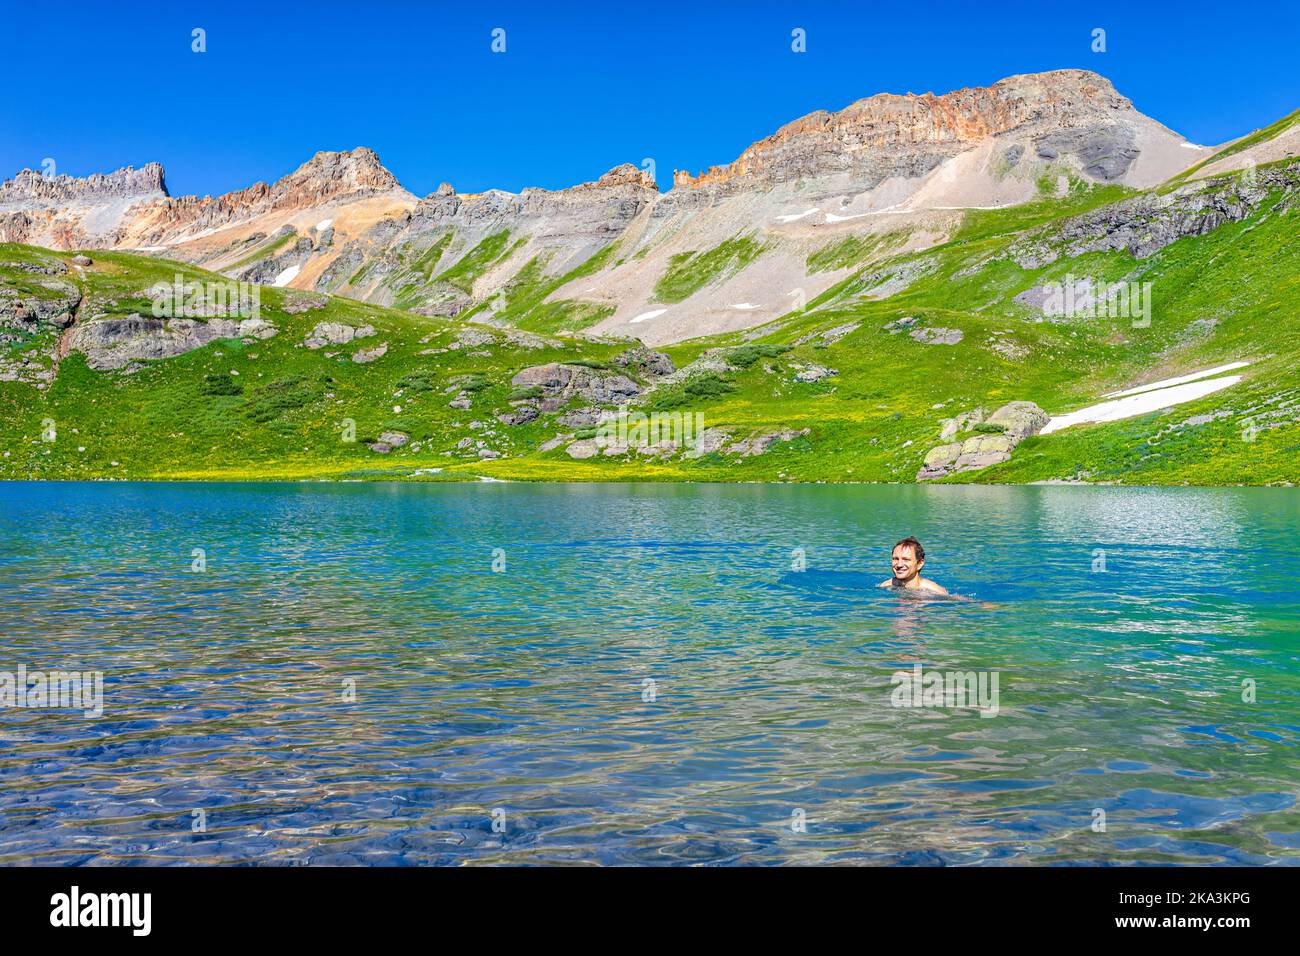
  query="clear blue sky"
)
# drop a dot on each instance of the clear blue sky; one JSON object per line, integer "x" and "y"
{"x": 580, "y": 88}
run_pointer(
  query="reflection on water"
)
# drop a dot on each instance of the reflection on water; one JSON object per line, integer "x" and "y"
{"x": 650, "y": 679}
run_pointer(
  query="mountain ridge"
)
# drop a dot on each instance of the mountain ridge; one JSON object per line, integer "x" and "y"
{"x": 894, "y": 171}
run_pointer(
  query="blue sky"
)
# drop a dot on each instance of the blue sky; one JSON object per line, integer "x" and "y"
{"x": 580, "y": 88}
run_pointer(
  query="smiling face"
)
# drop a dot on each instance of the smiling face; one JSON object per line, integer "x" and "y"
{"x": 905, "y": 563}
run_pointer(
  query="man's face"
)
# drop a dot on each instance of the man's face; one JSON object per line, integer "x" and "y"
{"x": 905, "y": 564}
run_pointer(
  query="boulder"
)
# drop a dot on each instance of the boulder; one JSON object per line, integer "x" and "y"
{"x": 938, "y": 336}
{"x": 57, "y": 308}
{"x": 522, "y": 415}
{"x": 118, "y": 341}
{"x": 759, "y": 444}
{"x": 939, "y": 461}
{"x": 255, "y": 329}
{"x": 901, "y": 325}
{"x": 585, "y": 417}
{"x": 550, "y": 378}
{"x": 982, "y": 451}
{"x": 1018, "y": 420}
{"x": 559, "y": 383}
{"x": 960, "y": 423}
{"x": 813, "y": 373}
{"x": 335, "y": 333}
{"x": 472, "y": 338}
{"x": 644, "y": 361}
{"x": 365, "y": 356}
{"x": 609, "y": 389}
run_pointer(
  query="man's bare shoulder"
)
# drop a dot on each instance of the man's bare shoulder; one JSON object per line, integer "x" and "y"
{"x": 886, "y": 584}
{"x": 928, "y": 585}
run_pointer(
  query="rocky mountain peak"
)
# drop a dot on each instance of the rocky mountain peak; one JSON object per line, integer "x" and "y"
{"x": 33, "y": 188}
{"x": 329, "y": 174}
{"x": 884, "y": 130}
{"x": 624, "y": 175}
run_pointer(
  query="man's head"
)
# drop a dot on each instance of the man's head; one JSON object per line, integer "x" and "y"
{"x": 907, "y": 559}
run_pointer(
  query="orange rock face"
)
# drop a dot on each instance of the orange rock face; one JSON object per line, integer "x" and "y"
{"x": 823, "y": 142}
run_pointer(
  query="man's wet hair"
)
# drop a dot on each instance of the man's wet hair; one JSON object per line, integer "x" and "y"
{"x": 912, "y": 543}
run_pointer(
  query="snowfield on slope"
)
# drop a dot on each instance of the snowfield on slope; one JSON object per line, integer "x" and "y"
{"x": 287, "y": 276}
{"x": 1148, "y": 398}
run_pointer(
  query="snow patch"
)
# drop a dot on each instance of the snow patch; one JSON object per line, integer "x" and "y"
{"x": 796, "y": 216}
{"x": 1192, "y": 146}
{"x": 1165, "y": 383}
{"x": 652, "y": 314}
{"x": 324, "y": 224}
{"x": 1140, "y": 404}
{"x": 287, "y": 276}
{"x": 745, "y": 306}
{"x": 831, "y": 217}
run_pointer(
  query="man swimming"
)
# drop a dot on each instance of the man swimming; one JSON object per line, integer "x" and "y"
{"x": 908, "y": 559}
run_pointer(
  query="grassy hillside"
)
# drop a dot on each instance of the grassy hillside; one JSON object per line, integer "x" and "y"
{"x": 242, "y": 407}
{"x": 1270, "y": 132}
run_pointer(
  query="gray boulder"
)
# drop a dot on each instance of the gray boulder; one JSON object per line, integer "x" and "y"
{"x": 901, "y": 325}
{"x": 118, "y": 341}
{"x": 760, "y": 444}
{"x": 938, "y": 336}
{"x": 522, "y": 415}
{"x": 335, "y": 333}
{"x": 584, "y": 417}
{"x": 558, "y": 383}
{"x": 813, "y": 372}
{"x": 647, "y": 363}
{"x": 984, "y": 450}
{"x": 1018, "y": 420}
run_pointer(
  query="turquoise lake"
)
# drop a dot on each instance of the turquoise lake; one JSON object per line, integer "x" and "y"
{"x": 649, "y": 674}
